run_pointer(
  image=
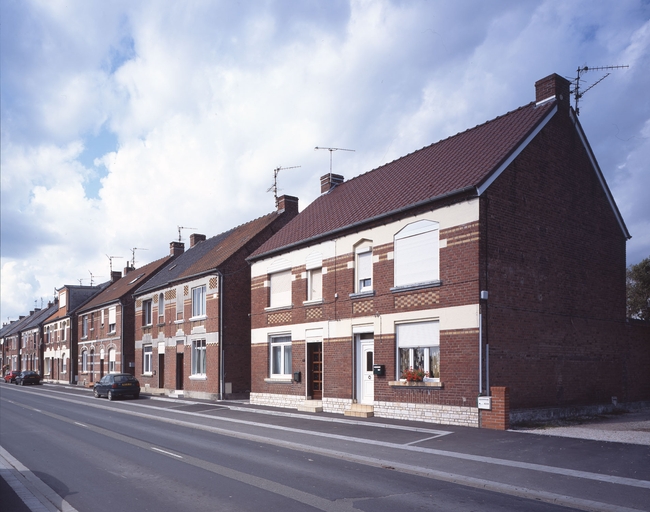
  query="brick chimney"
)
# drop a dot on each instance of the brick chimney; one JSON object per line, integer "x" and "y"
{"x": 176, "y": 248}
{"x": 288, "y": 204}
{"x": 195, "y": 238}
{"x": 128, "y": 269}
{"x": 329, "y": 181}
{"x": 115, "y": 275}
{"x": 553, "y": 86}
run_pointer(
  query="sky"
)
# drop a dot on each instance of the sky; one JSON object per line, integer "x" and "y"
{"x": 122, "y": 120}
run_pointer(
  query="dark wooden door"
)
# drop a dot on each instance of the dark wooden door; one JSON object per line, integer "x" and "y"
{"x": 161, "y": 370}
{"x": 179, "y": 371}
{"x": 315, "y": 368}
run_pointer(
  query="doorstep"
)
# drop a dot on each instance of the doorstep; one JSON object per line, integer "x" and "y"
{"x": 360, "y": 411}
{"x": 311, "y": 406}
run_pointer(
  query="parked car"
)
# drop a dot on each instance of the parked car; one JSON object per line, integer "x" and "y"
{"x": 28, "y": 377}
{"x": 116, "y": 385}
{"x": 11, "y": 376}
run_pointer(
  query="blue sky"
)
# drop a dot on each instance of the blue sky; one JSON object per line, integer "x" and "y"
{"x": 122, "y": 120}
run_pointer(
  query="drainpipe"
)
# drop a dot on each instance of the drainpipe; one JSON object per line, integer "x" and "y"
{"x": 122, "y": 336}
{"x": 222, "y": 379}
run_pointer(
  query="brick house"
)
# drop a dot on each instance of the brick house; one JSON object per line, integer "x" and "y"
{"x": 106, "y": 325}
{"x": 466, "y": 259}
{"x": 31, "y": 339}
{"x": 192, "y": 318}
{"x": 11, "y": 340}
{"x": 60, "y": 330}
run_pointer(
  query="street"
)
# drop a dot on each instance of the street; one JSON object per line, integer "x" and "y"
{"x": 164, "y": 455}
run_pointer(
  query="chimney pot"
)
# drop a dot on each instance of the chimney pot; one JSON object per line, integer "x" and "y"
{"x": 195, "y": 238}
{"x": 176, "y": 248}
{"x": 553, "y": 86}
{"x": 288, "y": 204}
{"x": 329, "y": 181}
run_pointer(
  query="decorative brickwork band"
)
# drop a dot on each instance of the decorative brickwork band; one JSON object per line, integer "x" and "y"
{"x": 279, "y": 318}
{"x": 314, "y": 313}
{"x": 213, "y": 283}
{"x": 360, "y": 308}
{"x": 417, "y": 299}
{"x": 498, "y": 418}
{"x": 170, "y": 294}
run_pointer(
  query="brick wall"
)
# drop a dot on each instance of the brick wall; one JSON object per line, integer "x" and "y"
{"x": 497, "y": 418}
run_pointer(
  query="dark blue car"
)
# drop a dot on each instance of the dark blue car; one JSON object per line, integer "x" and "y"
{"x": 28, "y": 377}
{"x": 116, "y": 385}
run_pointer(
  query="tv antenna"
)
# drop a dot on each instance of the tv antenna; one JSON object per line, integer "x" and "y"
{"x": 81, "y": 279}
{"x": 179, "y": 231}
{"x": 331, "y": 150}
{"x": 274, "y": 187}
{"x": 577, "y": 93}
{"x": 110, "y": 261}
{"x": 92, "y": 277}
{"x": 133, "y": 254}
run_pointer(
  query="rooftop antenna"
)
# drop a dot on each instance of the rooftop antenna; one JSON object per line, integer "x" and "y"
{"x": 110, "y": 261}
{"x": 179, "y": 231}
{"x": 331, "y": 150}
{"x": 81, "y": 279}
{"x": 92, "y": 277}
{"x": 577, "y": 93}
{"x": 133, "y": 254}
{"x": 274, "y": 187}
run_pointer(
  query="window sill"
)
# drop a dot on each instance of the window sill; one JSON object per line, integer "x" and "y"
{"x": 406, "y": 384}
{"x": 362, "y": 295}
{"x": 278, "y": 380}
{"x": 278, "y": 308}
{"x": 314, "y": 302}
{"x": 177, "y": 322}
{"x": 197, "y": 318}
{"x": 416, "y": 286}
{"x": 147, "y": 374}
{"x": 199, "y": 377}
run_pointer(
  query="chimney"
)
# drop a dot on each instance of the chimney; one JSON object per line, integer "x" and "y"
{"x": 176, "y": 248}
{"x": 553, "y": 87}
{"x": 288, "y": 204}
{"x": 115, "y": 275}
{"x": 195, "y": 238}
{"x": 329, "y": 181}
{"x": 128, "y": 269}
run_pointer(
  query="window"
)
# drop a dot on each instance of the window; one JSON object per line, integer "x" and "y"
{"x": 84, "y": 326}
{"x": 161, "y": 307}
{"x": 64, "y": 326}
{"x": 418, "y": 347}
{"x": 46, "y": 370}
{"x": 198, "y": 357}
{"x": 146, "y": 312}
{"x": 112, "y": 318}
{"x": 280, "y": 356}
{"x": 84, "y": 361}
{"x": 92, "y": 321}
{"x": 111, "y": 360}
{"x": 146, "y": 359}
{"x": 62, "y": 300}
{"x": 102, "y": 318}
{"x": 315, "y": 284}
{"x": 179, "y": 304}
{"x": 416, "y": 254}
{"x": 64, "y": 364}
{"x": 280, "y": 289}
{"x": 364, "y": 269}
{"x": 198, "y": 301}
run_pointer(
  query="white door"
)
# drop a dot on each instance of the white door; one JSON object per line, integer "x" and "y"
{"x": 367, "y": 379}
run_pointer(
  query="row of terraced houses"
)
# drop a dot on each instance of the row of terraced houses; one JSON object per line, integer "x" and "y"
{"x": 492, "y": 261}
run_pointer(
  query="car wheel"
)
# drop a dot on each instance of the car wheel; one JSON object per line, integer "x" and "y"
{"x": 22, "y": 382}
{"x": 96, "y": 393}
{"x": 136, "y": 396}
{"x": 110, "y": 396}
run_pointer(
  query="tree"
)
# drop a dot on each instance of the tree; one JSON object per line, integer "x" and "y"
{"x": 638, "y": 290}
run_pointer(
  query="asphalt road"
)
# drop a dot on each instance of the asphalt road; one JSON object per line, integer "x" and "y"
{"x": 171, "y": 455}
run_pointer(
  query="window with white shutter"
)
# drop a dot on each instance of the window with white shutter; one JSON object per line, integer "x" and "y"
{"x": 416, "y": 254}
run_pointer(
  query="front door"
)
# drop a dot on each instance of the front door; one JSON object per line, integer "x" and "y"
{"x": 365, "y": 375}
{"x": 315, "y": 369}
{"x": 179, "y": 371}
{"x": 161, "y": 370}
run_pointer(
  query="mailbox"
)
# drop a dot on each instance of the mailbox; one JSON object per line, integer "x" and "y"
{"x": 379, "y": 370}
{"x": 296, "y": 376}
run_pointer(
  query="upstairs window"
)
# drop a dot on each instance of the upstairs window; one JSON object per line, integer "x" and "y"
{"x": 416, "y": 254}
{"x": 198, "y": 301}
{"x": 112, "y": 317}
{"x": 364, "y": 269}
{"x": 161, "y": 307}
{"x": 280, "y": 289}
{"x": 146, "y": 312}
{"x": 179, "y": 303}
{"x": 84, "y": 326}
{"x": 315, "y": 284}
{"x": 102, "y": 319}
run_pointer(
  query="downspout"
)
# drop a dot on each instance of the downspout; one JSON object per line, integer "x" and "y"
{"x": 122, "y": 337}
{"x": 222, "y": 378}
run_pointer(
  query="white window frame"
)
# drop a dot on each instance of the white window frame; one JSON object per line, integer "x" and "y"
{"x": 418, "y": 338}
{"x": 63, "y": 299}
{"x": 280, "y": 345}
{"x": 198, "y": 301}
{"x": 363, "y": 269}
{"x": 315, "y": 284}
{"x": 147, "y": 359}
{"x": 161, "y": 306}
{"x": 111, "y": 360}
{"x": 280, "y": 289}
{"x": 84, "y": 361}
{"x": 102, "y": 318}
{"x": 84, "y": 326}
{"x": 64, "y": 363}
{"x": 180, "y": 303}
{"x": 112, "y": 318}
{"x": 199, "y": 358}
{"x": 147, "y": 310}
{"x": 416, "y": 254}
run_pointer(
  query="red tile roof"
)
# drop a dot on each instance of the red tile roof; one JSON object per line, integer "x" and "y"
{"x": 451, "y": 165}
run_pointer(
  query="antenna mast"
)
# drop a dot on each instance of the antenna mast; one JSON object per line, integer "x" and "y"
{"x": 91, "y": 278}
{"x": 577, "y": 94}
{"x": 133, "y": 254}
{"x": 331, "y": 150}
{"x": 274, "y": 187}
{"x": 110, "y": 261}
{"x": 179, "y": 231}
